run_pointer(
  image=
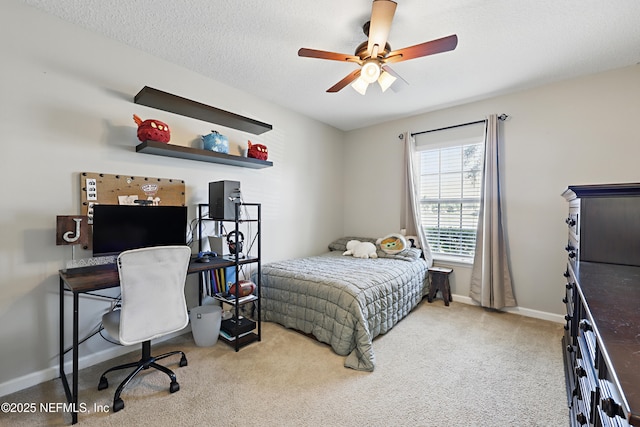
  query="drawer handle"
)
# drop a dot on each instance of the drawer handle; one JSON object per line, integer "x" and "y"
{"x": 567, "y": 317}
{"x": 581, "y": 418}
{"x": 570, "y": 222}
{"x": 572, "y": 254}
{"x": 565, "y": 300}
{"x": 576, "y": 392}
{"x": 566, "y": 273}
{"x": 569, "y": 248}
{"x": 611, "y": 408}
{"x": 569, "y": 285}
{"x": 585, "y": 325}
{"x": 580, "y": 372}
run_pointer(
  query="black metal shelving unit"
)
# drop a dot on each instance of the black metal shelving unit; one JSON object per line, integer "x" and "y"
{"x": 241, "y": 337}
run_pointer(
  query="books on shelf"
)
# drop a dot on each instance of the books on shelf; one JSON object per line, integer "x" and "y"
{"x": 229, "y": 337}
{"x": 221, "y": 279}
{"x": 237, "y": 326}
{"x": 231, "y": 299}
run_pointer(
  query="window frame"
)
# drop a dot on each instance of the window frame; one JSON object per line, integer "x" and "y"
{"x": 425, "y": 200}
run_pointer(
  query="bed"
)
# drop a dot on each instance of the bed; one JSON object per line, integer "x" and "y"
{"x": 344, "y": 301}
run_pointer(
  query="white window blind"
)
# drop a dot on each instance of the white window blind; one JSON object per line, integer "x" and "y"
{"x": 450, "y": 182}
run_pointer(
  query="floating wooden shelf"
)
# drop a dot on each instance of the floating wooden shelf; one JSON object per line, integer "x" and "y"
{"x": 178, "y": 151}
{"x": 185, "y": 107}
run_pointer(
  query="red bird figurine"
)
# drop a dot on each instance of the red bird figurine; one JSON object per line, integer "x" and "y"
{"x": 152, "y": 130}
{"x": 257, "y": 151}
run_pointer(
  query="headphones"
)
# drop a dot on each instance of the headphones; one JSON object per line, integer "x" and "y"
{"x": 235, "y": 245}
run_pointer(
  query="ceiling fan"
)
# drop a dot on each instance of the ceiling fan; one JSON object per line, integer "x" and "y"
{"x": 373, "y": 55}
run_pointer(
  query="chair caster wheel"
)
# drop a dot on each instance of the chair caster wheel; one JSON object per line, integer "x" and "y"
{"x": 103, "y": 383}
{"x": 118, "y": 404}
{"x": 183, "y": 361}
{"x": 174, "y": 387}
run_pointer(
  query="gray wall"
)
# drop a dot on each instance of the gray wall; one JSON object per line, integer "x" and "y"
{"x": 580, "y": 131}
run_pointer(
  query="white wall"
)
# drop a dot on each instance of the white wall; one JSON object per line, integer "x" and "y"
{"x": 580, "y": 131}
{"x": 66, "y": 105}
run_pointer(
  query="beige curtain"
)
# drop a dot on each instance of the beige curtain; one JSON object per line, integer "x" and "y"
{"x": 491, "y": 278}
{"x": 410, "y": 218}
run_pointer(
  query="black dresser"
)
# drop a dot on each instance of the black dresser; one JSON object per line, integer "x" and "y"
{"x": 602, "y": 332}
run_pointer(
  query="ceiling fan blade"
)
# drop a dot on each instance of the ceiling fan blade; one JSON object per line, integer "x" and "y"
{"x": 432, "y": 47}
{"x": 400, "y": 83}
{"x": 382, "y": 12}
{"x": 321, "y": 54}
{"x": 342, "y": 83}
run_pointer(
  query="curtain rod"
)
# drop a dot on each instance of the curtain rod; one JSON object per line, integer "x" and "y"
{"x": 500, "y": 117}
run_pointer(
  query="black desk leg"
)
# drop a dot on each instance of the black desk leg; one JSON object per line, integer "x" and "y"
{"x": 202, "y": 285}
{"x": 63, "y": 376}
{"x": 74, "y": 414}
{"x": 71, "y": 394}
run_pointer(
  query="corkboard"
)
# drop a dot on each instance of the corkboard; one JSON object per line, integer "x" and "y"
{"x": 102, "y": 188}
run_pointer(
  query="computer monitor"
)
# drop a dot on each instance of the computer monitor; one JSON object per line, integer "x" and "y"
{"x": 117, "y": 228}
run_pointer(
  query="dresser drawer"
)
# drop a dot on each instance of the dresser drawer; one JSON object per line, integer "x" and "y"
{"x": 569, "y": 292}
{"x": 586, "y": 376}
{"x": 580, "y": 413}
{"x": 570, "y": 301}
{"x": 572, "y": 221}
{"x": 589, "y": 337}
{"x": 573, "y": 251}
{"x": 609, "y": 411}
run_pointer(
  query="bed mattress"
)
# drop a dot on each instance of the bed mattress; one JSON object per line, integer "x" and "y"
{"x": 343, "y": 301}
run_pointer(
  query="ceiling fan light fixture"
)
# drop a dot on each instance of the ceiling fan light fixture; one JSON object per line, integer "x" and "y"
{"x": 360, "y": 85}
{"x": 375, "y": 53}
{"x": 385, "y": 80}
{"x": 370, "y": 71}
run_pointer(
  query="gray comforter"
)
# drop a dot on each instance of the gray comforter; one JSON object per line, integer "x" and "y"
{"x": 343, "y": 301}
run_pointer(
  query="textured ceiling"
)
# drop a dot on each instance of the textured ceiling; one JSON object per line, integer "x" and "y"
{"x": 504, "y": 46}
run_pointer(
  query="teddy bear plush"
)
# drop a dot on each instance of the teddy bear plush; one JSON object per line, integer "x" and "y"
{"x": 359, "y": 249}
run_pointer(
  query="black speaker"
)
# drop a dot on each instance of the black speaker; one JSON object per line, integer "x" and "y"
{"x": 223, "y": 196}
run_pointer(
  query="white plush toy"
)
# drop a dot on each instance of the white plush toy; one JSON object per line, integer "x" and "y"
{"x": 359, "y": 249}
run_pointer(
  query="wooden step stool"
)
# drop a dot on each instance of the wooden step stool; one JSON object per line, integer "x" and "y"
{"x": 440, "y": 282}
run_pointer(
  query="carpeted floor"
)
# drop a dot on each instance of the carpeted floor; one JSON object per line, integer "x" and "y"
{"x": 441, "y": 366}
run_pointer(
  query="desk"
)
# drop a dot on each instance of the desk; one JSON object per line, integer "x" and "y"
{"x": 84, "y": 281}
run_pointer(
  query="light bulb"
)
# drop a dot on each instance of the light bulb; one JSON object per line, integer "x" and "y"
{"x": 360, "y": 85}
{"x": 370, "y": 71}
{"x": 386, "y": 80}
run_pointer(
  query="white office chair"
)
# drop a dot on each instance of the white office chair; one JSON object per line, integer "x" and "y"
{"x": 153, "y": 304}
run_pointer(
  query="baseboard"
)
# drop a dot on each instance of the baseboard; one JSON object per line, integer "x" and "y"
{"x": 52, "y": 372}
{"x": 527, "y": 312}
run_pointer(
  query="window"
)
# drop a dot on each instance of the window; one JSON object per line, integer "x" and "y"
{"x": 450, "y": 182}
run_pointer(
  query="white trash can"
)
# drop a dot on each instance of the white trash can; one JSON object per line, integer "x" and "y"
{"x": 205, "y": 324}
